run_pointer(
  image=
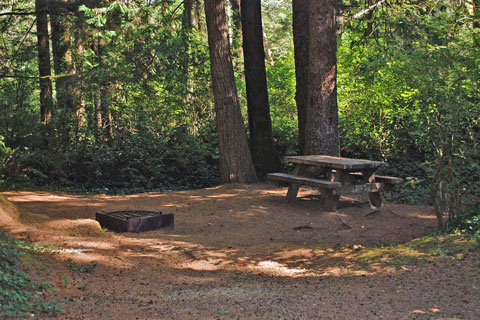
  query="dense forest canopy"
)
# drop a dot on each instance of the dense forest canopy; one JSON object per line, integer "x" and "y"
{"x": 116, "y": 95}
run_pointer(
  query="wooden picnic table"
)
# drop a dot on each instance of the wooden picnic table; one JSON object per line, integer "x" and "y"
{"x": 335, "y": 176}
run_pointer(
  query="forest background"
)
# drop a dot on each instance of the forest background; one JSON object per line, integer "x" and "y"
{"x": 132, "y": 108}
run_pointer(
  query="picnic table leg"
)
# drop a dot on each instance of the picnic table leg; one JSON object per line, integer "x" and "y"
{"x": 330, "y": 201}
{"x": 294, "y": 187}
{"x": 376, "y": 199}
{"x": 292, "y": 191}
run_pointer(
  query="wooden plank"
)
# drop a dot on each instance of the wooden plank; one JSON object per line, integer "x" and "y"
{"x": 304, "y": 180}
{"x": 336, "y": 162}
{"x": 383, "y": 179}
{"x": 389, "y": 180}
{"x": 359, "y": 188}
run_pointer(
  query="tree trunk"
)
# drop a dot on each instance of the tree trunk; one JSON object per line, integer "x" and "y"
{"x": 476, "y": 14}
{"x": 260, "y": 125}
{"x": 44, "y": 65}
{"x": 235, "y": 160}
{"x": 198, "y": 16}
{"x": 65, "y": 87}
{"x": 236, "y": 34}
{"x": 187, "y": 14}
{"x": 300, "y": 45}
{"x": 322, "y": 110}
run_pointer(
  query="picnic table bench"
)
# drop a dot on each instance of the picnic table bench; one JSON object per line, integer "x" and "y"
{"x": 335, "y": 176}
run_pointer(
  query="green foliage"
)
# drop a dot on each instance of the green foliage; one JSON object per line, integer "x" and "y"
{"x": 19, "y": 294}
{"x": 468, "y": 224}
{"x": 408, "y": 93}
{"x": 135, "y": 162}
{"x": 82, "y": 268}
{"x": 5, "y": 157}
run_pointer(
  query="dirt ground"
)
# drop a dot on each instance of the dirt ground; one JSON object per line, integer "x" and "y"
{"x": 240, "y": 252}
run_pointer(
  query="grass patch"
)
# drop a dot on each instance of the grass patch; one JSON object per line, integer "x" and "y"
{"x": 425, "y": 249}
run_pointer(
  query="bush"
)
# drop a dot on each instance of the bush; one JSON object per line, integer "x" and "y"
{"x": 135, "y": 161}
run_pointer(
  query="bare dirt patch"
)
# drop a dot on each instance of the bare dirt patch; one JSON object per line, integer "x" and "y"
{"x": 241, "y": 252}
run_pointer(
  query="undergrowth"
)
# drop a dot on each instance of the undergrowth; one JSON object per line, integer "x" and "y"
{"x": 21, "y": 296}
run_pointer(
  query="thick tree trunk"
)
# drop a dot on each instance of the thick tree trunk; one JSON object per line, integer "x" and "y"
{"x": 300, "y": 45}
{"x": 260, "y": 125}
{"x": 44, "y": 65}
{"x": 235, "y": 160}
{"x": 322, "y": 110}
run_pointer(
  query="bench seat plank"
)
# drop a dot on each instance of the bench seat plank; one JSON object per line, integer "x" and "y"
{"x": 304, "y": 180}
{"x": 383, "y": 179}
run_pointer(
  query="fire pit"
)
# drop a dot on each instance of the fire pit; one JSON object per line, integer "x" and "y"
{"x": 134, "y": 221}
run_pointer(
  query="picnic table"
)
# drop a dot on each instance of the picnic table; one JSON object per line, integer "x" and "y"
{"x": 335, "y": 176}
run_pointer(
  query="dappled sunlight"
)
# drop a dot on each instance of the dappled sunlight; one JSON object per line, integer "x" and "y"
{"x": 25, "y": 196}
{"x": 245, "y": 229}
{"x": 275, "y": 268}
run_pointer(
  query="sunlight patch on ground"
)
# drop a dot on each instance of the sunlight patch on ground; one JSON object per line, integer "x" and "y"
{"x": 33, "y": 197}
{"x": 275, "y": 268}
{"x": 203, "y": 265}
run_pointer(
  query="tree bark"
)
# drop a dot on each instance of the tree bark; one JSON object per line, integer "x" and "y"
{"x": 187, "y": 14}
{"x": 260, "y": 124}
{"x": 476, "y": 14}
{"x": 235, "y": 160}
{"x": 98, "y": 45}
{"x": 67, "y": 92}
{"x": 236, "y": 34}
{"x": 198, "y": 16}
{"x": 300, "y": 45}
{"x": 44, "y": 64}
{"x": 322, "y": 110}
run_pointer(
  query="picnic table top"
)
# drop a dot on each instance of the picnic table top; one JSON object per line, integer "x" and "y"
{"x": 336, "y": 162}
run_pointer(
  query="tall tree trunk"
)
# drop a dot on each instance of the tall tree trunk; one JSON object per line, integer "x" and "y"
{"x": 235, "y": 160}
{"x": 236, "y": 25}
{"x": 66, "y": 91}
{"x": 300, "y": 45}
{"x": 476, "y": 14}
{"x": 98, "y": 44}
{"x": 260, "y": 124}
{"x": 322, "y": 110}
{"x": 198, "y": 16}
{"x": 44, "y": 64}
{"x": 187, "y": 14}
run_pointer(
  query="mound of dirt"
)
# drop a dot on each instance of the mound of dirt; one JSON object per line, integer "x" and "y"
{"x": 8, "y": 212}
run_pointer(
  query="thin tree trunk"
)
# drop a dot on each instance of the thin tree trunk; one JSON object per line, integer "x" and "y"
{"x": 81, "y": 117}
{"x": 187, "y": 14}
{"x": 198, "y": 16}
{"x": 476, "y": 14}
{"x": 97, "y": 102}
{"x": 44, "y": 64}
{"x": 235, "y": 160}
{"x": 65, "y": 88}
{"x": 236, "y": 26}
{"x": 300, "y": 45}
{"x": 322, "y": 110}
{"x": 260, "y": 124}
